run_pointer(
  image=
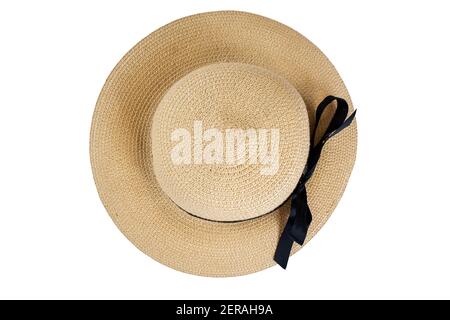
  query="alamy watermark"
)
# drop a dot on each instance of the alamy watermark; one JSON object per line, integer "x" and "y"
{"x": 232, "y": 147}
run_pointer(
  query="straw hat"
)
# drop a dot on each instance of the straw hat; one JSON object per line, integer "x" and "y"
{"x": 193, "y": 88}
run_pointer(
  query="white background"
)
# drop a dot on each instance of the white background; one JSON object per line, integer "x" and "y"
{"x": 388, "y": 238}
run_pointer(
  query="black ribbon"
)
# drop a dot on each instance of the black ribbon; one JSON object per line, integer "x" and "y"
{"x": 300, "y": 217}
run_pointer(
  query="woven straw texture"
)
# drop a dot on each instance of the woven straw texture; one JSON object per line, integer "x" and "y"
{"x": 122, "y": 152}
{"x": 223, "y": 96}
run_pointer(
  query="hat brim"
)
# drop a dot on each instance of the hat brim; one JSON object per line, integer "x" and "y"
{"x": 120, "y": 143}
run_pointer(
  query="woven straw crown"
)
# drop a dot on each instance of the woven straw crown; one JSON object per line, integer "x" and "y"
{"x": 223, "y": 96}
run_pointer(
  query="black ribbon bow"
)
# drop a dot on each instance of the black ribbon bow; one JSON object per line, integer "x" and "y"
{"x": 300, "y": 217}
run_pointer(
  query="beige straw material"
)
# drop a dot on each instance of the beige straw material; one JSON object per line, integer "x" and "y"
{"x": 224, "y": 96}
{"x": 121, "y": 140}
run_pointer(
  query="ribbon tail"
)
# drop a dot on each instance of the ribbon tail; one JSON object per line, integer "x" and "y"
{"x": 283, "y": 250}
{"x": 296, "y": 228}
{"x": 299, "y": 230}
